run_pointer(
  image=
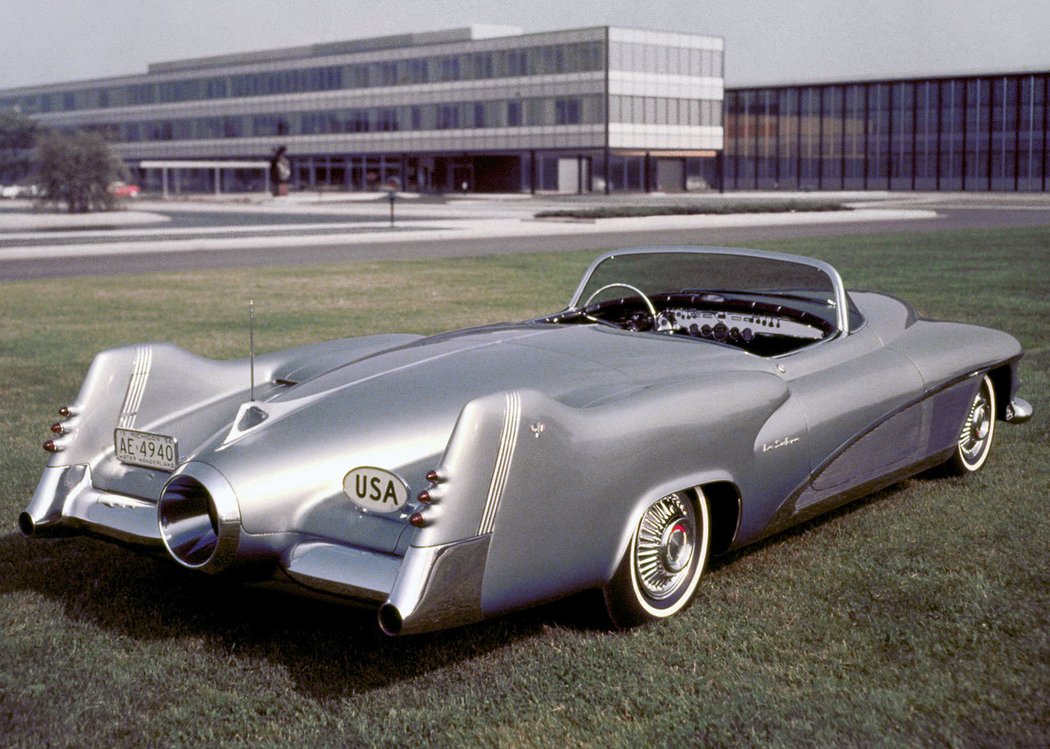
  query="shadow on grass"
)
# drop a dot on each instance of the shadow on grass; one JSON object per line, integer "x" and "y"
{"x": 331, "y": 651}
{"x": 856, "y": 505}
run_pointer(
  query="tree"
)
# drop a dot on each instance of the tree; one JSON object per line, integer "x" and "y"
{"x": 17, "y": 137}
{"x": 78, "y": 169}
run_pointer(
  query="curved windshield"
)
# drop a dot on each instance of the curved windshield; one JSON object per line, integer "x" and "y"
{"x": 765, "y": 276}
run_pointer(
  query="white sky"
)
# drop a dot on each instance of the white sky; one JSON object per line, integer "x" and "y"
{"x": 767, "y": 41}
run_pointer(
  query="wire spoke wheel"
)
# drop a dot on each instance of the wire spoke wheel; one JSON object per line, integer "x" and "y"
{"x": 665, "y": 548}
{"x": 661, "y": 568}
{"x": 978, "y": 429}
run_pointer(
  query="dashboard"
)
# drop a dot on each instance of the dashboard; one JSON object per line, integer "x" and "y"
{"x": 761, "y": 326}
{"x": 731, "y": 327}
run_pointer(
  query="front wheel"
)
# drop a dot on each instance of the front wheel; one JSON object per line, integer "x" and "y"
{"x": 975, "y": 438}
{"x": 661, "y": 568}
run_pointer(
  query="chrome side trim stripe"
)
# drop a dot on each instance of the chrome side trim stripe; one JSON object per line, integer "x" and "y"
{"x": 136, "y": 386}
{"x": 507, "y": 443}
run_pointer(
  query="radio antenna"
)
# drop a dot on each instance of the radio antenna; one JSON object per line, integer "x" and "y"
{"x": 251, "y": 345}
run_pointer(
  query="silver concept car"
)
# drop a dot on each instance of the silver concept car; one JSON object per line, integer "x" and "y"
{"x": 688, "y": 401}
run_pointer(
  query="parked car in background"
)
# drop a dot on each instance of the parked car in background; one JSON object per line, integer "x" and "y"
{"x": 10, "y": 192}
{"x": 686, "y": 402}
{"x": 124, "y": 190}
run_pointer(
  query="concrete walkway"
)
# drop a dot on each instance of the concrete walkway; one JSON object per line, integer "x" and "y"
{"x": 141, "y": 230}
{"x": 14, "y": 221}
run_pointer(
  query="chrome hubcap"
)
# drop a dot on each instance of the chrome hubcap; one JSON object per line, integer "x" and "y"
{"x": 675, "y": 547}
{"x": 664, "y": 550}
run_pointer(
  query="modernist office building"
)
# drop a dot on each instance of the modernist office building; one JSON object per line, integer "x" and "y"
{"x": 984, "y": 132}
{"x": 485, "y": 108}
{"x": 600, "y": 109}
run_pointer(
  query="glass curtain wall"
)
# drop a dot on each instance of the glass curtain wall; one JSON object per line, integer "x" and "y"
{"x": 831, "y": 143}
{"x": 809, "y": 139}
{"x": 978, "y": 133}
{"x": 1032, "y": 133}
{"x": 926, "y": 129}
{"x": 766, "y": 140}
{"x": 878, "y": 137}
{"x": 854, "y": 138}
{"x": 902, "y": 147}
{"x": 952, "y": 97}
{"x": 787, "y": 138}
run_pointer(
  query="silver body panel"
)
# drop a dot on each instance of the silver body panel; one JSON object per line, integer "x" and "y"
{"x": 548, "y": 440}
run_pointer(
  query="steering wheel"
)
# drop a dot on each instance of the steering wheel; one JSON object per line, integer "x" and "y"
{"x": 635, "y": 289}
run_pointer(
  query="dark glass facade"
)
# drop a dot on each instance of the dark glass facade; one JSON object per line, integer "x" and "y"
{"x": 966, "y": 133}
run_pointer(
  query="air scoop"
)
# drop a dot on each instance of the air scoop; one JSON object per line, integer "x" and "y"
{"x": 249, "y": 416}
{"x": 252, "y": 414}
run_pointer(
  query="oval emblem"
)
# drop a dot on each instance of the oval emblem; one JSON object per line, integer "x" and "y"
{"x": 375, "y": 489}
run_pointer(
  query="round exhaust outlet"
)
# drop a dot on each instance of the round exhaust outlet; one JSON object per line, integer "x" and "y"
{"x": 200, "y": 528}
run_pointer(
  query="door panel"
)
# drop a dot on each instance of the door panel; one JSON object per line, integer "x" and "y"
{"x": 848, "y": 387}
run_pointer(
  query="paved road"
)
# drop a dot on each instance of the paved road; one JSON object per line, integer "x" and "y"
{"x": 450, "y": 244}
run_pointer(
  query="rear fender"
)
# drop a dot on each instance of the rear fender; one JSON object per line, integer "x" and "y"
{"x": 580, "y": 479}
{"x": 559, "y": 489}
{"x": 147, "y": 387}
{"x": 163, "y": 388}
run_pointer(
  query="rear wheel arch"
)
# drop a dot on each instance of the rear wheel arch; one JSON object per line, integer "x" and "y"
{"x": 1003, "y": 384}
{"x": 723, "y": 499}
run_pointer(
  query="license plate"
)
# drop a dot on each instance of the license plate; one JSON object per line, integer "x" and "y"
{"x": 146, "y": 449}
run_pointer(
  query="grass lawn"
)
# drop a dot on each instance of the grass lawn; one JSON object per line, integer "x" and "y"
{"x": 916, "y": 617}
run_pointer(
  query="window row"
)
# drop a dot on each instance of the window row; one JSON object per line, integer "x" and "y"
{"x": 552, "y": 59}
{"x": 654, "y": 110}
{"x": 452, "y": 116}
{"x": 653, "y": 58}
{"x": 972, "y": 134}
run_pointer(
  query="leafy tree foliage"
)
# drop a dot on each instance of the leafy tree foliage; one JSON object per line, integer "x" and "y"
{"x": 17, "y": 138}
{"x": 78, "y": 169}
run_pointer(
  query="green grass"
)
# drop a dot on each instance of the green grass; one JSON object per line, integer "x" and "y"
{"x": 916, "y": 617}
{"x": 707, "y": 207}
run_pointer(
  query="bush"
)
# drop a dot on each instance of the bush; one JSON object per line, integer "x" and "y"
{"x": 707, "y": 207}
{"x": 77, "y": 170}
{"x": 17, "y": 137}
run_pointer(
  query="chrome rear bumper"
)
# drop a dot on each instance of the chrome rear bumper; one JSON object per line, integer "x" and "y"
{"x": 65, "y": 502}
{"x": 341, "y": 571}
{"x": 429, "y": 588}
